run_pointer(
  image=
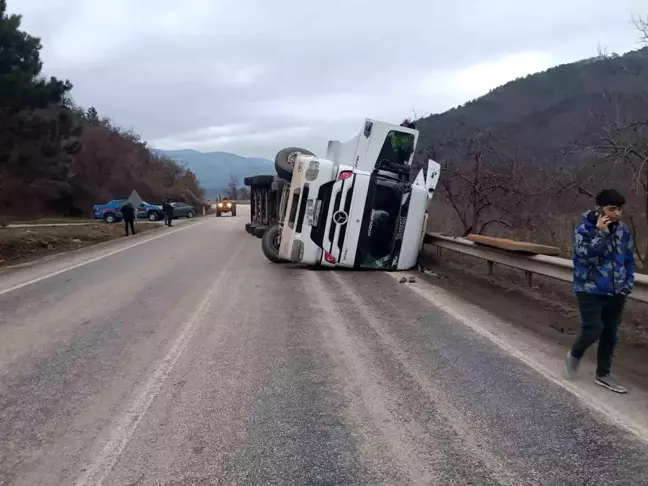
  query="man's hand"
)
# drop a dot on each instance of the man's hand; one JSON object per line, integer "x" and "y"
{"x": 603, "y": 222}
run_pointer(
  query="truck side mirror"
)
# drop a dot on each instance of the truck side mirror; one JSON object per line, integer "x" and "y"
{"x": 432, "y": 178}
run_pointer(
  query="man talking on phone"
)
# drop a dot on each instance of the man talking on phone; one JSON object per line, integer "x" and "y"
{"x": 604, "y": 269}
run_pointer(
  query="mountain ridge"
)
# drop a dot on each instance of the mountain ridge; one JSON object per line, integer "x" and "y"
{"x": 215, "y": 170}
{"x": 554, "y": 103}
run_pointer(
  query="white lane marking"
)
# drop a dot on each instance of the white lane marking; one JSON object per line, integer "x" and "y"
{"x": 437, "y": 297}
{"x": 95, "y": 259}
{"x": 123, "y": 429}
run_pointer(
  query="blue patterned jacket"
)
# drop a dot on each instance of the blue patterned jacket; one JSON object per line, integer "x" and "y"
{"x": 603, "y": 263}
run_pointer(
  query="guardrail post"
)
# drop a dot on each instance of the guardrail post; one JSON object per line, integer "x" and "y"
{"x": 529, "y": 278}
{"x": 439, "y": 251}
{"x": 491, "y": 267}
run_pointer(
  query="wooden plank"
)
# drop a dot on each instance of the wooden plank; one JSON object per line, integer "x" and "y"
{"x": 518, "y": 246}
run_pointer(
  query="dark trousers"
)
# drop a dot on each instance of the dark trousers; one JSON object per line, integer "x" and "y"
{"x": 600, "y": 320}
{"x": 168, "y": 218}
{"x": 127, "y": 223}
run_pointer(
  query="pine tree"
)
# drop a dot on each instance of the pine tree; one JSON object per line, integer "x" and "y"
{"x": 21, "y": 86}
{"x": 92, "y": 116}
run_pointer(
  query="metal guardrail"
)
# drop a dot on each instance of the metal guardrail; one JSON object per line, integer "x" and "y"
{"x": 553, "y": 267}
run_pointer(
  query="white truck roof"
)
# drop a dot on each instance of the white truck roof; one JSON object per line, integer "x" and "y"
{"x": 362, "y": 151}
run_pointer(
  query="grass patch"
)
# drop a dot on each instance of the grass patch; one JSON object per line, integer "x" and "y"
{"x": 21, "y": 244}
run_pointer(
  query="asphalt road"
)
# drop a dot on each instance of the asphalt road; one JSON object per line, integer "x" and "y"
{"x": 188, "y": 359}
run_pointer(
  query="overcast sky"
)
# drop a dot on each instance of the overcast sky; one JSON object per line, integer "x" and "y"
{"x": 254, "y": 76}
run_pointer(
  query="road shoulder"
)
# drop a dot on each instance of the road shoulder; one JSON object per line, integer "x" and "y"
{"x": 508, "y": 321}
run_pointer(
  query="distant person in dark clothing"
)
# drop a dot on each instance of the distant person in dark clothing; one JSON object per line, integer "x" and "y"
{"x": 604, "y": 273}
{"x": 128, "y": 213}
{"x": 408, "y": 124}
{"x": 168, "y": 212}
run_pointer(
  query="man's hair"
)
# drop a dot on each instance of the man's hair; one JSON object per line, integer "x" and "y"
{"x": 610, "y": 197}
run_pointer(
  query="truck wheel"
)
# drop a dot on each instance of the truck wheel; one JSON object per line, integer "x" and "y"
{"x": 270, "y": 244}
{"x": 262, "y": 181}
{"x": 285, "y": 161}
{"x": 259, "y": 231}
{"x": 110, "y": 218}
{"x": 152, "y": 217}
{"x": 233, "y": 209}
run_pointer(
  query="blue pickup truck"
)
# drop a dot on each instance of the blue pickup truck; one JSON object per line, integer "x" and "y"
{"x": 111, "y": 212}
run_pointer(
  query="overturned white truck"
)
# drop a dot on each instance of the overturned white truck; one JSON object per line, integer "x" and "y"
{"x": 360, "y": 207}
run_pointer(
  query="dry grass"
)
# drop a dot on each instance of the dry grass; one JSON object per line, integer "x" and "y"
{"x": 51, "y": 221}
{"x": 21, "y": 244}
{"x": 549, "y": 293}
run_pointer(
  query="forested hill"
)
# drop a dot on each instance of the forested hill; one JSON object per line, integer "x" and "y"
{"x": 545, "y": 111}
{"x": 527, "y": 158}
{"x": 217, "y": 171}
{"x": 60, "y": 159}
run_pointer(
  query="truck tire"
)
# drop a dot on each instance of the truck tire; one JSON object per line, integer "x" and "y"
{"x": 270, "y": 244}
{"x": 152, "y": 216}
{"x": 233, "y": 209}
{"x": 285, "y": 161}
{"x": 262, "y": 180}
{"x": 259, "y": 231}
{"x": 110, "y": 218}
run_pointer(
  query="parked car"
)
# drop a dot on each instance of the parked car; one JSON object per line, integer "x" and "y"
{"x": 111, "y": 212}
{"x": 183, "y": 210}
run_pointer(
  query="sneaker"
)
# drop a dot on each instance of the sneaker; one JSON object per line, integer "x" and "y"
{"x": 610, "y": 383}
{"x": 571, "y": 365}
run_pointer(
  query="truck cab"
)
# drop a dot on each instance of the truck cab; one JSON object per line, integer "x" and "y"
{"x": 359, "y": 207}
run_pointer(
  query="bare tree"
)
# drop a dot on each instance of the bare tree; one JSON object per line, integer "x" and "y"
{"x": 232, "y": 187}
{"x": 615, "y": 149}
{"x": 625, "y": 151}
{"x": 641, "y": 23}
{"x": 485, "y": 185}
{"x": 623, "y": 148}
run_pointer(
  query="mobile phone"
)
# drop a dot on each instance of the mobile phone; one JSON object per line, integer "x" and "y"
{"x": 594, "y": 217}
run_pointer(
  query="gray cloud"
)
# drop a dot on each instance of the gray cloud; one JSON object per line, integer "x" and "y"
{"x": 253, "y": 76}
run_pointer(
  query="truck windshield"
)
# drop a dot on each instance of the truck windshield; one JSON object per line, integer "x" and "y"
{"x": 397, "y": 148}
{"x": 379, "y": 225}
